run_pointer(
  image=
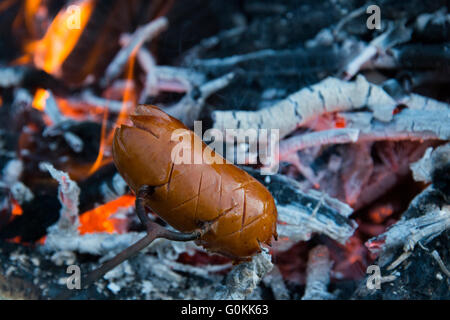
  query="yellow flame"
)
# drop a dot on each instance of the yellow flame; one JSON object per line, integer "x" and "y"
{"x": 62, "y": 35}
{"x": 40, "y": 98}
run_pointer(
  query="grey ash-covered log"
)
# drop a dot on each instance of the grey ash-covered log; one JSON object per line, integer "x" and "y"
{"x": 415, "y": 249}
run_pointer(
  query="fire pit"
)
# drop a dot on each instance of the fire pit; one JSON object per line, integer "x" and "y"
{"x": 356, "y": 95}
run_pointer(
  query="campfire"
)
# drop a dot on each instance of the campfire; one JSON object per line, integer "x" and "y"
{"x": 360, "y": 172}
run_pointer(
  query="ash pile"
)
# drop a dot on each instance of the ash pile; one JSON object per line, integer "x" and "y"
{"x": 363, "y": 113}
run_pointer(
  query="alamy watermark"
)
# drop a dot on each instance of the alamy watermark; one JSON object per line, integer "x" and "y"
{"x": 74, "y": 280}
{"x": 375, "y": 279}
{"x": 242, "y": 146}
{"x": 73, "y": 21}
{"x": 374, "y": 20}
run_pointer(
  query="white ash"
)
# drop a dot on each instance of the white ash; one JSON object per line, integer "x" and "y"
{"x": 307, "y": 140}
{"x": 92, "y": 243}
{"x": 20, "y": 257}
{"x": 187, "y": 77}
{"x": 74, "y": 142}
{"x": 433, "y": 158}
{"x": 151, "y": 80}
{"x": 189, "y": 107}
{"x": 68, "y": 195}
{"x": 59, "y": 122}
{"x": 275, "y": 281}
{"x": 329, "y": 95}
{"x": 244, "y": 278}
{"x": 423, "y": 228}
{"x": 323, "y": 38}
{"x": 22, "y": 99}
{"x": 61, "y": 258}
{"x": 318, "y": 274}
{"x": 147, "y": 287}
{"x": 256, "y": 294}
{"x": 300, "y": 213}
{"x": 192, "y": 54}
{"x": 234, "y": 60}
{"x": 410, "y": 124}
{"x": 150, "y": 267}
{"x": 21, "y": 192}
{"x": 148, "y": 64}
{"x": 117, "y": 188}
{"x": 441, "y": 263}
{"x": 113, "y": 287}
{"x": 11, "y": 179}
{"x": 11, "y": 76}
{"x": 417, "y": 101}
{"x": 273, "y": 94}
{"x": 406, "y": 233}
{"x": 396, "y": 34}
{"x": 167, "y": 249}
{"x": 138, "y": 38}
{"x": 299, "y": 225}
{"x": 109, "y": 244}
{"x": 121, "y": 276}
{"x": 337, "y": 30}
{"x": 161, "y": 268}
{"x": 87, "y": 96}
{"x": 344, "y": 209}
{"x": 12, "y": 171}
{"x": 52, "y": 109}
{"x": 439, "y": 17}
{"x": 205, "y": 271}
{"x": 422, "y": 168}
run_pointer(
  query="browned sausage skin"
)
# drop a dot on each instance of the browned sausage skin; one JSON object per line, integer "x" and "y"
{"x": 239, "y": 211}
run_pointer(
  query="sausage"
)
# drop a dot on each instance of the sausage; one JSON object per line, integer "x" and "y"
{"x": 239, "y": 211}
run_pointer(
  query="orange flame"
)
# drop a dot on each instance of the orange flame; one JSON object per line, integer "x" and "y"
{"x": 40, "y": 97}
{"x": 31, "y": 8}
{"x": 99, "y": 219}
{"x": 61, "y": 37}
{"x": 98, "y": 162}
{"x": 106, "y": 141}
{"x": 128, "y": 96}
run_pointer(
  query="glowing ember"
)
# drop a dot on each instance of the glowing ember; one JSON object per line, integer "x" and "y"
{"x": 17, "y": 239}
{"x": 16, "y": 209}
{"x": 61, "y": 37}
{"x": 380, "y": 213}
{"x": 100, "y": 220}
{"x": 41, "y": 241}
{"x": 339, "y": 122}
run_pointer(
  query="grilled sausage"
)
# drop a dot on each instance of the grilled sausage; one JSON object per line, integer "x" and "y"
{"x": 239, "y": 211}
